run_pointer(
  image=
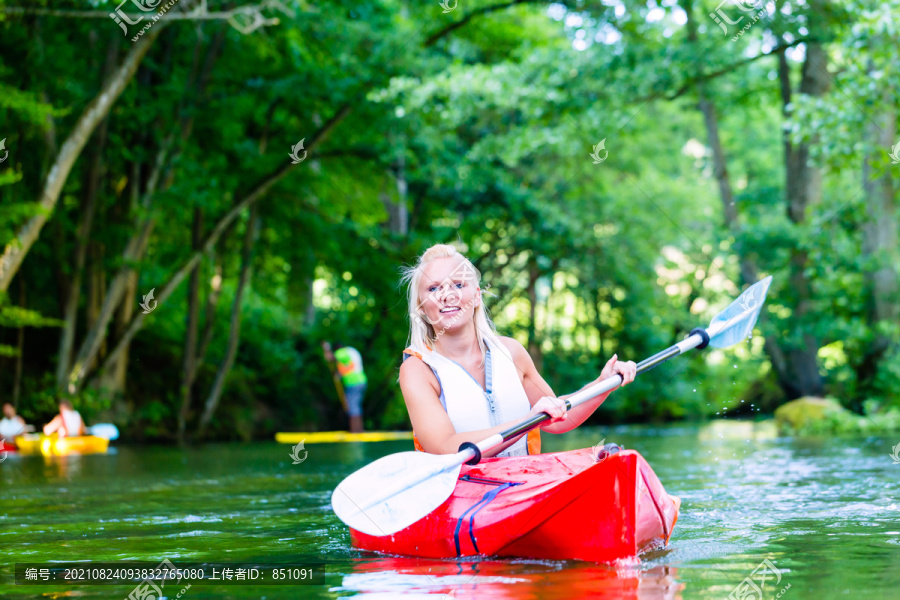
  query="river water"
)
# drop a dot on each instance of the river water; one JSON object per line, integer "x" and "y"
{"x": 824, "y": 513}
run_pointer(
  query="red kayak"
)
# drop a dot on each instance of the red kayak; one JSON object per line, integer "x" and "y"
{"x": 485, "y": 579}
{"x": 564, "y": 505}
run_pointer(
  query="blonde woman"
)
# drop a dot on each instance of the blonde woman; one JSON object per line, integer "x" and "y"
{"x": 461, "y": 381}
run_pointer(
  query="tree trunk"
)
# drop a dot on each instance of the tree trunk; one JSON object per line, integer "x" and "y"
{"x": 212, "y": 301}
{"x": 803, "y": 183}
{"x": 309, "y": 315}
{"x": 89, "y": 204}
{"x": 116, "y": 383}
{"x": 20, "y": 350}
{"x": 258, "y": 192}
{"x": 191, "y": 326}
{"x": 96, "y": 287}
{"x": 749, "y": 273}
{"x": 161, "y": 173}
{"x": 534, "y": 349}
{"x": 234, "y": 332}
{"x": 96, "y": 111}
{"x": 399, "y": 215}
{"x": 597, "y": 301}
{"x": 880, "y": 241}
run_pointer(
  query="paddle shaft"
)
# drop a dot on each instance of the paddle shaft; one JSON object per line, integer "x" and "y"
{"x": 587, "y": 393}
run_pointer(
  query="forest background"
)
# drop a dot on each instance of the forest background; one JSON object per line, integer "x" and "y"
{"x": 618, "y": 171}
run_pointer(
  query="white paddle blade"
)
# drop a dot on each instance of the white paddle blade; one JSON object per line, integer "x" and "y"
{"x": 736, "y": 322}
{"x": 395, "y": 491}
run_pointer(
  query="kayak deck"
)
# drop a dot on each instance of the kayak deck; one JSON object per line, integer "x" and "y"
{"x": 50, "y": 445}
{"x": 563, "y": 505}
{"x": 322, "y": 437}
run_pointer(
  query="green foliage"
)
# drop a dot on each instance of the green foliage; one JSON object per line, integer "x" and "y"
{"x": 16, "y": 316}
{"x": 845, "y": 423}
{"x": 491, "y": 126}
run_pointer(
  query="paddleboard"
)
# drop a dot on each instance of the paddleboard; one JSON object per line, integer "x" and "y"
{"x": 325, "y": 437}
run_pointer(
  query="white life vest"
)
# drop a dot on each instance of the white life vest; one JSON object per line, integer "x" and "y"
{"x": 472, "y": 407}
{"x": 72, "y": 422}
{"x": 10, "y": 428}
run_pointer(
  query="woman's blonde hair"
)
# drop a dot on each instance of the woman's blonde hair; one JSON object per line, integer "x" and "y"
{"x": 422, "y": 333}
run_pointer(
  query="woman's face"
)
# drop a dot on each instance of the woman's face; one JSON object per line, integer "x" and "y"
{"x": 448, "y": 294}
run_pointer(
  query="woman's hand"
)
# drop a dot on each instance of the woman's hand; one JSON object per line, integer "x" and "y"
{"x": 627, "y": 369}
{"x": 555, "y": 407}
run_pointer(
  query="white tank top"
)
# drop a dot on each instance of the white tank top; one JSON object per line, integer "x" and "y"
{"x": 10, "y": 428}
{"x": 71, "y": 421}
{"x": 472, "y": 407}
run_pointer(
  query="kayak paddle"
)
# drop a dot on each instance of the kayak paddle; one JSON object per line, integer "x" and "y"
{"x": 397, "y": 490}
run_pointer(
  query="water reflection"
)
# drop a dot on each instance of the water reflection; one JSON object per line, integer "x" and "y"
{"x": 519, "y": 579}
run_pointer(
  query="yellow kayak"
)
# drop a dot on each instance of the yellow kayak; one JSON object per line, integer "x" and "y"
{"x": 50, "y": 445}
{"x": 324, "y": 437}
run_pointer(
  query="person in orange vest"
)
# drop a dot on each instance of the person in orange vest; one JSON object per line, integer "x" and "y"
{"x": 353, "y": 381}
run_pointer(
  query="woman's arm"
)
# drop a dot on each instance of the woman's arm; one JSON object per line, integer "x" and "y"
{"x": 53, "y": 425}
{"x": 536, "y": 388}
{"x": 432, "y": 424}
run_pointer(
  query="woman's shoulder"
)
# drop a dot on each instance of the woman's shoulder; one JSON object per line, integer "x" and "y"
{"x": 516, "y": 350}
{"x": 414, "y": 370}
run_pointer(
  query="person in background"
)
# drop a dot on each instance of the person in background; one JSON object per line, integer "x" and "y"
{"x": 335, "y": 376}
{"x": 67, "y": 423}
{"x": 350, "y": 366}
{"x": 12, "y": 424}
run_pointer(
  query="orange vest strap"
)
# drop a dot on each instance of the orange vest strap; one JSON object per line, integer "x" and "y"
{"x": 534, "y": 442}
{"x": 412, "y": 352}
